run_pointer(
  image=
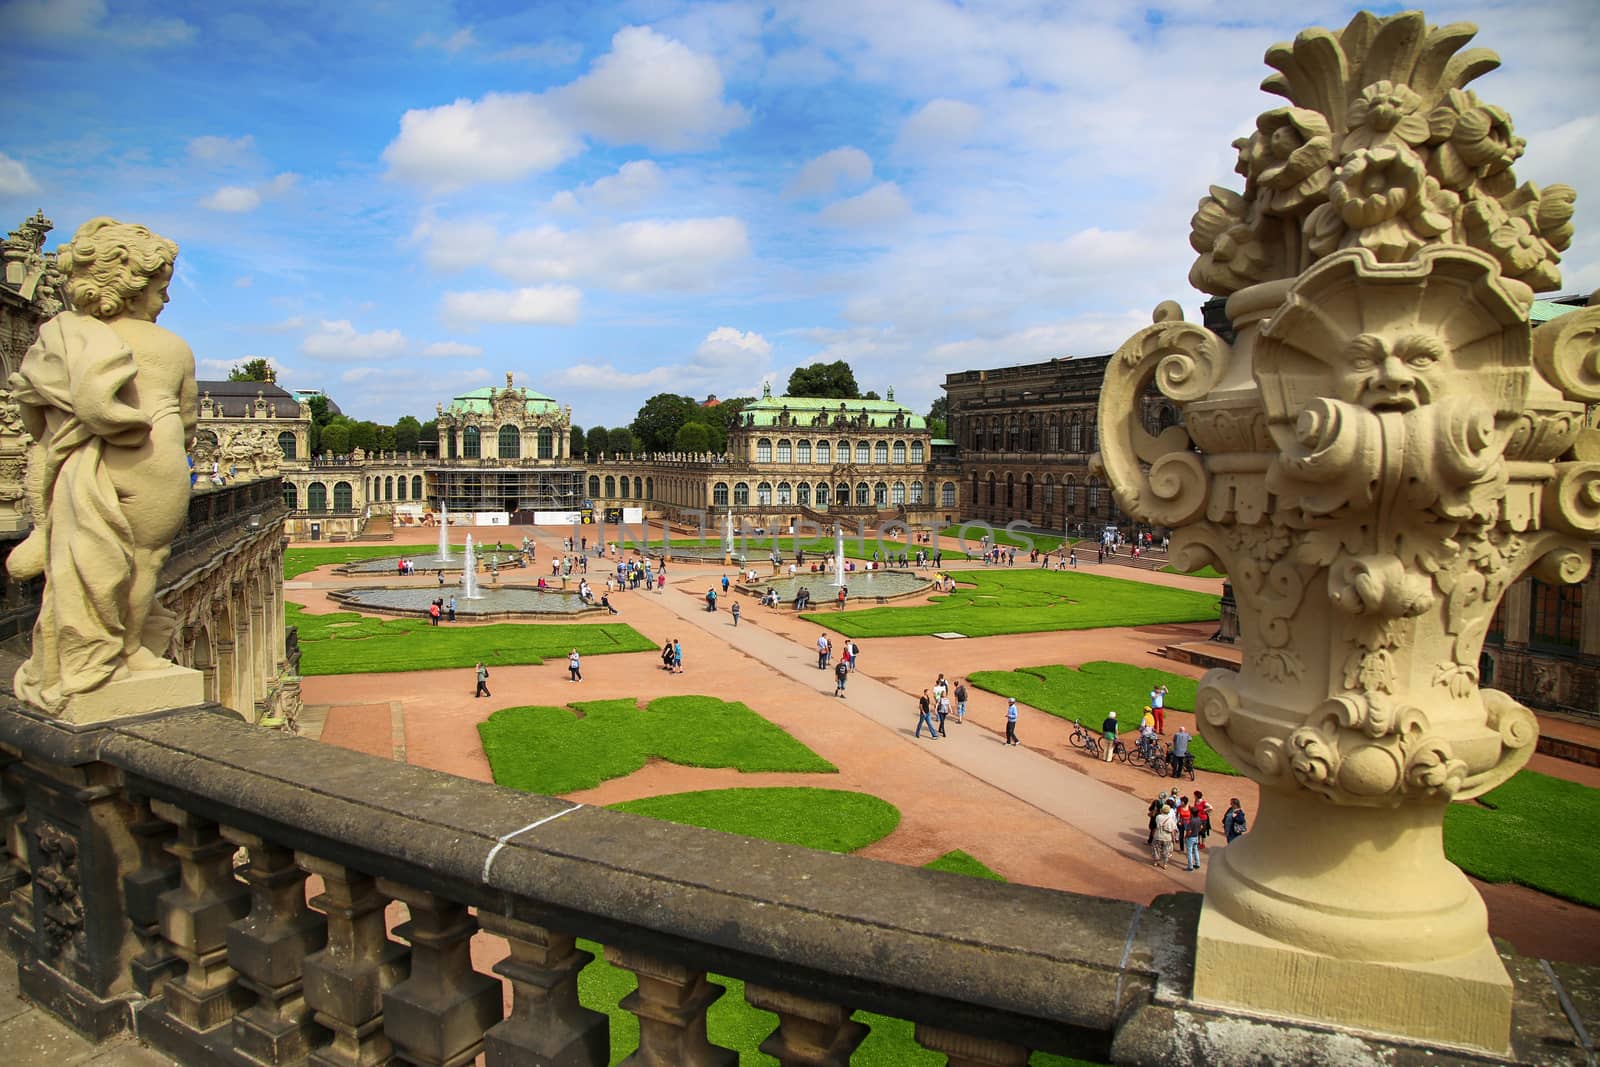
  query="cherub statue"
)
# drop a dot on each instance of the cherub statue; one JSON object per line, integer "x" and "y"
{"x": 110, "y": 400}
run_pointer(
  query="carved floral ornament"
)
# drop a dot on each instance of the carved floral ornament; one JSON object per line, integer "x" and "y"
{"x": 1387, "y": 445}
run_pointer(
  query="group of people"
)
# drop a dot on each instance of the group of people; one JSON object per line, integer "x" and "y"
{"x": 935, "y": 704}
{"x": 1178, "y": 823}
{"x": 442, "y": 608}
{"x": 672, "y": 656}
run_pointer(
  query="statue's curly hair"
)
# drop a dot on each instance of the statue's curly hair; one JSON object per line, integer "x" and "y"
{"x": 108, "y": 263}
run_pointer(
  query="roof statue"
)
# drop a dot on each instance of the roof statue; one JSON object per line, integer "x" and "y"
{"x": 1386, "y": 446}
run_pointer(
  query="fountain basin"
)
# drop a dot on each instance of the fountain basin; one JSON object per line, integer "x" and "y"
{"x": 879, "y": 585}
{"x": 492, "y": 602}
{"x": 426, "y": 563}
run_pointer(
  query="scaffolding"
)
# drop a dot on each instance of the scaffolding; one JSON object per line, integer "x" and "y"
{"x": 508, "y": 489}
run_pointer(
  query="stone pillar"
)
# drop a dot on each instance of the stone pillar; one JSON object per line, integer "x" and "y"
{"x": 810, "y": 1033}
{"x": 143, "y": 887}
{"x": 345, "y": 982}
{"x": 438, "y": 1015}
{"x": 195, "y": 918}
{"x": 966, "y": 1050}
{"x": 671, "y": 1004}
{"x": 547, "y": 1027}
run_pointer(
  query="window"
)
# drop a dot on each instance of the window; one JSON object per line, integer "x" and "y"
{"x": 764, "y": 451}
{"x": 991, "y": 490}
{"x": 1049, "y": 495}
{"x": 1027, "y": 492}
{"x": 824, "y": 452}
{"x": 916, "y": 492}
{"x": 844, "y": 451}
{"x": 1072, "y": 495}
{"x": 510, "y": 443}
{"x": 291, "y": 498}
{"x": 594, "y": 486}
{"x": 803, "y": 452}
{"x": 611, "y": 487}
{"x": 880, "y": 452}
{"x": 388, "y": 488}
{"x": 719, "y": 494}
{"x": 1557, "y": 615}
{"x": 841, "y": 494}
{"x": 547, "y": 443}
{"x": 1096, "y": 495}
{"x": 880, "y": 495}
{"x": 862, "y": 453}
{"x": 822, "y": 494}
{"x": 1075, "y": 436}
{"x": 1052, "y": 437}
{"x": 763, "y": 493}
{"x": 947, "y": 495}
{"x": 638, "y": 489}
{"x": 286, "y": 444}
{"x": 897, "y": 494}
{"x": 899, "y": 451}
{"x": 804, "y": 492}
{"x": 316, "y": 497}
{"x": 343, "y": 497}
{"x": 1013, "y": 435}
{"x": 863, "y": 493}
{"x": 622, "y": 487}
{"x": 452, "y": 440}
{"x": 741, "y": 495}
{"x": 649, "y": 489}
{"x": 416, "y": 487}
{"x": 1011, "y": 491}
{"x": 916, "y": 451}
{"x": 977, "y": 436}
{"x": 785, "y": 493}
{"x": 470, "y": 446}
{"x": 400, "y": 486}
{"x": 785, "y": 452}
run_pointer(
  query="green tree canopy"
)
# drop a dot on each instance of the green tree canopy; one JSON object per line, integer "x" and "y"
{"x": 834, "y": 381}
{"x": 575, "y": 441}
{"x": 939, "y": 416}
{"x": 407, "y": 432}
{"x": 622, "y": 441}
{"x": 364, "y": 435}
{"x": 597, "y": 440}
{"x": 319, "y": 409}
{"x": 656, "y": 425}
{"x": 257, "y": 369}
{"x": 692, "y": 437}
{"x": 336, "y": 437}
{"x": 428, "y": 437}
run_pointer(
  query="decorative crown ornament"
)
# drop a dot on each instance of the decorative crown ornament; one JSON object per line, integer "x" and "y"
{"x": 1385, "y": 446}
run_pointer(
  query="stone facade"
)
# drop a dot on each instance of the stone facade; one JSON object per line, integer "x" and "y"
{"x": 30, "y": 291}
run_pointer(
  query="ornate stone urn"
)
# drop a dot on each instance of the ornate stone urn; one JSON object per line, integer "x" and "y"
{"x": 1382, "y": 450}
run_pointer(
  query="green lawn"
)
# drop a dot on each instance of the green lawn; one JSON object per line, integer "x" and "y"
{"x": 975, "y": 532}
{"x": 1207, "y": 571}
{"x": 1536, "y": 831}
{"x": 959, "y": 862}
{"x": 344, "y": 642}
{"x": 833, "y": 820}
{"x": 1028, "y": 600}
{"x": 297, "y": 561}
{"x": 561, "y": 750}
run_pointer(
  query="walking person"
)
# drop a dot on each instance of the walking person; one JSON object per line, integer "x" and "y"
{"x": 1191, "y": 839}
{"x": 736, "y": 614}
{"x": 840, "y": 674}
{"x": 677, "y": 656}
{"x": 943, "y": 707}
{"x": 573, "y": 666}
{"x": 1166, "y": 834}
{"x": 1011, "y": 722}
{"x": 1233, "y": 823}
{"x": 452, "y": 609}
{"x": 1178, "y": 757}
{"x": 483, "y": 682}
{"x": 1155, "y": 812}
{"x": 822, "y": 652}
{"x": 925, "y": 717}
{"x": 1108, "y": 731}
{"x": 961, "y": 700}
{"x": 1202, "y": 817}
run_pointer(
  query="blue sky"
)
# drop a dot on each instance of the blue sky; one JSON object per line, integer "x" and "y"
{"x": 398, "y": 201}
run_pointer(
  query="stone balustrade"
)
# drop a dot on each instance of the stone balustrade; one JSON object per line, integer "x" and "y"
{"x": 157, "y": 876}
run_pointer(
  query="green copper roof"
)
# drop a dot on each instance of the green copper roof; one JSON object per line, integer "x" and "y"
{"x": 481, "y": 402}
{"x": 1545, "y": 310}
{"x": 765, "y": 412}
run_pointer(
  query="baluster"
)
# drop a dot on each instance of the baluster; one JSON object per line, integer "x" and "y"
{"x": 17, "y": 875}
{"x": 671, "y": 1004}
{"x": 195, "y": 918}
{"x": 142, "y": 888}
{"x": 437, "y": 1016}
{"x": 547, "y": 1026}
{"x": 268, "y": 947}
{"x": 345, "y": 982}
{"x": 966, "y": 1050}
{"x": 810, "y": 1033}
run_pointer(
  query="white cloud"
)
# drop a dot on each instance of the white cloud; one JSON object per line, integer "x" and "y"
{"x": 339, "y": 339}
{"x": 633, "y": 185}
{"x": 1083, "y": 335}
{"x": 503, "y": 137}
{"x": 643, "y": 255}
{"x": 652, "y": 90}
{"x": 216, "y": 369}
{"x": 232, "y": 198}
{"x": 879, "y": 206}
{"x": 608, "y": 376}
{"x": 452, "y": 43}
{"x": 357, "y": 374}
{"x": 548, "y": 305}
{"x": 726, "y": 351}
{"x": 726, "y": 345}
{"x": 555, "y": 52}
{"x": 225, "y": 151}
{"x": 848, "y": 165}
{"x": 939, "y": 125}
{"x": 14, "y": 178}
{"x": 451, "y": 350}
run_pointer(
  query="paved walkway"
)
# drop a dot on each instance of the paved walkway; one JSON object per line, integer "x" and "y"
{"x": 32, "y": 1037}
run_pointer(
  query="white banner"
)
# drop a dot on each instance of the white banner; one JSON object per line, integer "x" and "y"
{"x": 557, "y": 518}
{"x": 633, "y": 514}
{"x": 491, "y": 518}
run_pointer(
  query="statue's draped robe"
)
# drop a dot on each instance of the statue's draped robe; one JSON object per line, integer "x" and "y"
{"x": 69, "y": 380}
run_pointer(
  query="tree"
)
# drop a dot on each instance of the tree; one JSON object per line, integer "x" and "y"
{"x": 722, "y": 418}
{"x": 364, "y": 435}
{"x": 336, "y": 437}
{"x": 386, "y": 442}
{"x": 428, "y": 437}
{"x": 834, "y": 381}
{"x": 692, "y": 437}
{"x": 871, "y": 394}
{"x": 407, "y": 433}
{"x": 575, "y": 442}
{"x": 622, "y": 441}
{"x": 939, "y": 416}
{"x": 257, "y": 369}
{"x": 656, "y": 425}
{"x": 597, "y": 441}
{"x": 319, "y": 409}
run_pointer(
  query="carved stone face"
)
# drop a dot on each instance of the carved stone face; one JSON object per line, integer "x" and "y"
{"x": 1393, "y": 374}
{"x": 148, "y": 304}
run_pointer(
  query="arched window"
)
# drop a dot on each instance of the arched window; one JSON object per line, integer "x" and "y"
{"x": 649, "y": 489}
{"x": 741, "y": 494}
{"x": 547, "y": 443}
{"x": 977, "y": 435}
{"x": 611, "y": 487}
{"x": 880, "y": 495}
{"x": 622, "y": 487}
{"x": 400, "y": 487}
{"x": 594, "y": 486}
{"x": 947, "y": 495}
{"x": 844, "y": 452}
{"x": 1071, "y": 495}
{"x": 897, "y": 494}
{"x": 1096, "y": 495}
{"x": 916, "y": 492}
{"x": 470, "y": 446}
{"x": 802, "y": 452}
{"x": 916, "y": 452}
{"x": 1075, "y": 435}
{"x": 862, "y": 453}
{"x": 1031, "y": 440}
{"x": 803, "y": 494}
{"x": 388, "y": 488}
{"x": 863, "y": 493}
{"x": 785, "y": 493}
{"x": 510, "y": 442}
{"x": 764, "y": 450}
{"x": 451, "y": 439}
{"x": 343, "y": 497}
{"x": 785, "y": 452}
{"x": 824, "y": 452}
{"x": 880, "y": 452}
{"x": 822, "y": 494}
{"x": 316, "y": 497}
{"x": 763, "y": 493}
{"x": 1049, "y": 493}
{"x": 719, "y": 494}
{"x": 638, "y": 489}
{"x": 416, "y": 487}
{"x": 1011, "y": 491}
{"x": 841, "y": 494}
{"x": 291, "y": 498}
{"x": 286, "y": 444}
{"x": 899, "y": 451}
{"x": 1013, "y": 435}
{"x": 1052, "y": 437}
{"x": 994, "y": 433}
{"x": 1027, "y": 492}
{"x": 991, "y": 489}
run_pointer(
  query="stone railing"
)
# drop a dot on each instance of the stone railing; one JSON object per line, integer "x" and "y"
{"x": 156, "y": 874}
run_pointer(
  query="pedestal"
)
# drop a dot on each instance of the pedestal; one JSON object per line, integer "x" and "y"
{"x": 139, "y": 693}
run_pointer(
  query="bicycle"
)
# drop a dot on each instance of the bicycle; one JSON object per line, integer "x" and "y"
{"x": 1183, "y": 767}
{"x": 1079, "y": 737}
{"x": 1145, "y": 753}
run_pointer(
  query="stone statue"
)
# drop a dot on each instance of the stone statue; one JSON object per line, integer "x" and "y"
{"x": 1384, "y": 448}
{"x": 110, "y": 400}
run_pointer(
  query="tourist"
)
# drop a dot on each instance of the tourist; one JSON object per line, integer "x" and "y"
{"x": 1011, "y": 722}
{"x": 1190, "y": 829}
{"x": 925, "y": 717}
{"x": 822, "y": 652}
{"x": 433, "y": 613}
{"x": 483, "y": 681}
{"x": 943, "y": 707}
{"x": 605, "y": 602}
{"x": 711, "y": 600}
{"x": 961, "y": 700}
{"x": 724, "y": 583}
{"x": 1179, "y": 755}
{"x": 677, "y": 656}
{"x": 1108, "y": 733}
{"x": 1154, "y": 812}
{"x": 1202, "y": 816}
{"x": 1166, "y": 836}
{"x": 1158, "y": 704}
{"x": 840, "y": 673}
{"x": 573, "y": 665}
{"x": 452, "y": 606}
{"x": 666, "y": 655}
{"x": 1072, "y": 558}
{"x": 839, "y": 601}
{"x": 661, "y": 581}
{"x": 1148, "y": 720}
{"x": 736, "y": 614}
{"x": 855, "y": 653}
{"x": 1233, "y": 823}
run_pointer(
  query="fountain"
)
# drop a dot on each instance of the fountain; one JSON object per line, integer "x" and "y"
{"x": 469, "y": 573}
{"x": 727, "y": 539}
{"x": 838, "y": 554}
{"x": 444, "y": 534}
